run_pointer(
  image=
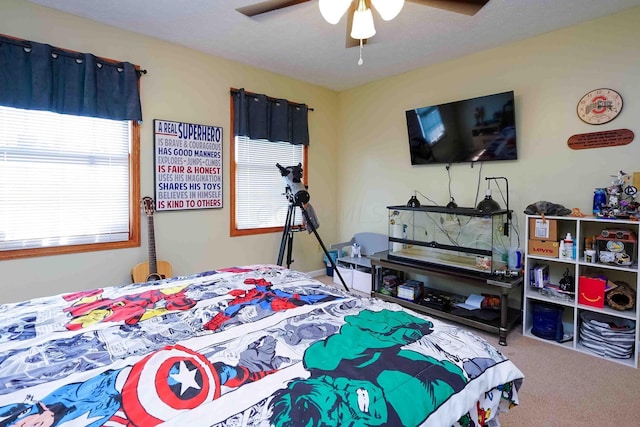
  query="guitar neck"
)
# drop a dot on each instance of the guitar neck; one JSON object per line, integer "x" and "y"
{"x": 153, "y": 263}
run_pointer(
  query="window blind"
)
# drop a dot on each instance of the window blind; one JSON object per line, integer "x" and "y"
{"x": 64, "y": 179}
{"x": 260, "y": 189}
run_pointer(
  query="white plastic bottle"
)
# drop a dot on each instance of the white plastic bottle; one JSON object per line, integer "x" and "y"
{"x": 568, "y": 246}
{"x": 514, "y": 259}
{"x": 563, "y": 250}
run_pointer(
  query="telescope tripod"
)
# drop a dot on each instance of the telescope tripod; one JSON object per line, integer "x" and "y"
{"x": 286, "y": 243}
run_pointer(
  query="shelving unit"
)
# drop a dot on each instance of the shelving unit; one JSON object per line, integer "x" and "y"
{"x": 572, "y": 305}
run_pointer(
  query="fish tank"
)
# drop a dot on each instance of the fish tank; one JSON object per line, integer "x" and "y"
{"x": 464, "y": 239}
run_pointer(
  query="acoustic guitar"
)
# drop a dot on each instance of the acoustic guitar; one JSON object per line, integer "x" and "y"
{"x": 152, "y": 269}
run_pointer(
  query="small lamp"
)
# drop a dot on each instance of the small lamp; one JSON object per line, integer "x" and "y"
{"x": 488, "y": 204}
{"x": 413, "y": 202}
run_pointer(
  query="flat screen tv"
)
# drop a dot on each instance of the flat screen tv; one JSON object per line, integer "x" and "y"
{"x": 472, "y": 130}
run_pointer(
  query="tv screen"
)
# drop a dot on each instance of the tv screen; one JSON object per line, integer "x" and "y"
{"x": 472, "y": 130}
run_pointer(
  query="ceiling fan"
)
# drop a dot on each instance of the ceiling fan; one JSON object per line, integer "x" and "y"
{"x": 467, "y": 7}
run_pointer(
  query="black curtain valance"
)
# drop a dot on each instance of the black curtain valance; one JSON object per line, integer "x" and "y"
{"x": 38, "y": 76}
{"x": 261, "y": 117}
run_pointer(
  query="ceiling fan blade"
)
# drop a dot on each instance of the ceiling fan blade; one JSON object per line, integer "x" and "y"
{"x": 350, "y": 41}
{"x": 467, "y": 7}
{"x": 268, "y": 6}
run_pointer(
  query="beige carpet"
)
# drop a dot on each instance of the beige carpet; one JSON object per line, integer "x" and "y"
{"x": 566, "y": 388}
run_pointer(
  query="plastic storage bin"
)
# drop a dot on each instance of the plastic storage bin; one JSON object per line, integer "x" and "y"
{"x": 334, "y": 256}
{"x": 547, "y": 321}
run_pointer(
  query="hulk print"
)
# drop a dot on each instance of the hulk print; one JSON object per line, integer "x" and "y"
{"x": 365, "y": 376}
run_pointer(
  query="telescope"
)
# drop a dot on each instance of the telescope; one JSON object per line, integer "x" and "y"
{"x": 295, "y": 188}
{"x": 298, "y": 196}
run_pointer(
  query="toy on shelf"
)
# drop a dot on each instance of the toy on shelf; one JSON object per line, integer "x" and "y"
{"x": 576, "y": 212}
{"x": 617, "y": 246}
{"x": 620, "y": 200}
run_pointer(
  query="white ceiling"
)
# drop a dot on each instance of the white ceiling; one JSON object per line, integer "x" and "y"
{"x": 297, "y": 42}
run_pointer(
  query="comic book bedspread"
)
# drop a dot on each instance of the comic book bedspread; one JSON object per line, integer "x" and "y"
{"x": 258, "y": 345}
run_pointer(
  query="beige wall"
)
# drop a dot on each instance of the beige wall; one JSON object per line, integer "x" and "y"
{"x": 359, "y": 157}
{"x": 549, "y": 74}
{"x": 181, "y": 85}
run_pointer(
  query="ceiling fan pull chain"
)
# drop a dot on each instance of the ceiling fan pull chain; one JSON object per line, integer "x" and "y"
{"x": 360, "y": 61}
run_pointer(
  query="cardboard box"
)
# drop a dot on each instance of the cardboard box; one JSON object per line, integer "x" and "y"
{"x": 591, "y": 291}
{"x": 543, "y": 229}
{"x": 539, "y": 276}
{"x": 548, "y": 248}
{"x": 410, "y": 290}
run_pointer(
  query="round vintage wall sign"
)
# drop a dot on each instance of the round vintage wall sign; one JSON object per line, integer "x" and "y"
{"x": 599, "y": 106}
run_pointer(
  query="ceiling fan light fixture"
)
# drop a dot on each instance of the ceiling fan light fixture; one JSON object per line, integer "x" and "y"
{"x": 333, "y": 10}
{"x": 362, "y": 27}
{"x": 388, "y": 9}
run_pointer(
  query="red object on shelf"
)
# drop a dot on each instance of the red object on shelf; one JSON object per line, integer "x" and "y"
{"x": 591, "y": 291}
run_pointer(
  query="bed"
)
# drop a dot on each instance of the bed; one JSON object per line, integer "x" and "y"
{"x": 260, "y": 345}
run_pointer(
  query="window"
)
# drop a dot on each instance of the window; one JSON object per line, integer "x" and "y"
{"x": 431, "y": 124}
{"x": 258, "y": 202}
{"x": 67, "y": 183}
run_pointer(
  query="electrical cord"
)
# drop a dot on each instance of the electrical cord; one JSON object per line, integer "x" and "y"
{"x": 501, "y": 194}
{"x": 451, "y": 199}
{"x": 475, "y": 203}
{"x": 515, "y": 227}
{"x": 434, "y": 203}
